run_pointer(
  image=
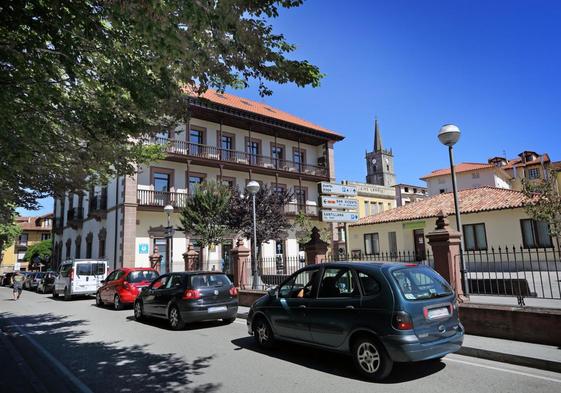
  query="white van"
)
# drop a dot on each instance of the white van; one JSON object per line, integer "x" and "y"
{"x": 79, "y": 277}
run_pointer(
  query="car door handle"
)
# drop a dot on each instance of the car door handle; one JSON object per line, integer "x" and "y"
{"x": 350, "y": 307}
{"x": 301, "y": 306}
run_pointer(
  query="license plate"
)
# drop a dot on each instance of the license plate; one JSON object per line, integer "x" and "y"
{"x": 438, "y": 312}
{"x": 217, "y": 309}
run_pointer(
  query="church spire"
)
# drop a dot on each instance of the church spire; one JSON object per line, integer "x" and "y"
{"x": 377, "y": 137}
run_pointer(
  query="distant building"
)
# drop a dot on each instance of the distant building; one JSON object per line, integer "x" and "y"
{"x": 528, "y": 165}
{"x": 408, "y": 193}
{"x": 34, "y": 230}
{"x": 379, "y": 163}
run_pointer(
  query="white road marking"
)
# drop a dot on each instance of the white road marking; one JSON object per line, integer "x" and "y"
{"x": 503, "y": 370}
{"x": 58, "y": 365}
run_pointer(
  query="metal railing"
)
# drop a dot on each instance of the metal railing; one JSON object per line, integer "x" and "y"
{"x": 174, "y": 146}
{"x": 274, "y": 270}
{"x": 161, "y": 198}
{"x": 385, "y": 256}
{"x": 514, "y": 271}
{"x": 293, "y": 208}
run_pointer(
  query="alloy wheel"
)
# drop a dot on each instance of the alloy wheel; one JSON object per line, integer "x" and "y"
{"x": 174, "y": 317}
{"x": 137, "y": 311}
{"x": 368, "y": 357}
{"x": 117, "y": 302}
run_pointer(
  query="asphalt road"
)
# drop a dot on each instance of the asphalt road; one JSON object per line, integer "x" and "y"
{"x": 74, "y": 346}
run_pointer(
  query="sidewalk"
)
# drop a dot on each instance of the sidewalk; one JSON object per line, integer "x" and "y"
{"x": 544, "y": 357}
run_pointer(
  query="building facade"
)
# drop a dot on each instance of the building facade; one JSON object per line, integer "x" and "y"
{"x": 33, "y": 230}
{"x": 408, "y": 193}
{"x": 227, "y": 139}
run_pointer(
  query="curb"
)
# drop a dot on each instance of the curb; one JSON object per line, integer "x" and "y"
{"x": 510, "y": 358}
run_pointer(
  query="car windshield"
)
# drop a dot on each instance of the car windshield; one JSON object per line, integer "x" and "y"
{"x": 142, "y": 275}
{"x": 420, "y": 283}
{"x": 201, "y": 281}
{"x": 39, "y": 275}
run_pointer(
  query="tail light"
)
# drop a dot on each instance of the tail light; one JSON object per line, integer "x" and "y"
{"x": 71, "y": 273}
{"x": 402, "y": 321}
{"x": 191, "y": 294}
{"x": 233, "y": 291}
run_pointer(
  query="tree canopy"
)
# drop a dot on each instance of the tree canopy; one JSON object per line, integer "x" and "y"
{"x": 9, "y": 231}
{"x": 85, "y": 83}
{"x": 41, "y": 250}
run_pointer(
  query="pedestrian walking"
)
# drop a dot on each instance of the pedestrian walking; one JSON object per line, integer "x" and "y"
{"x": 17, "y": 281}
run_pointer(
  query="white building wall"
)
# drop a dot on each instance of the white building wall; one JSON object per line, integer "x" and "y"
{"x": 465, "y": 180}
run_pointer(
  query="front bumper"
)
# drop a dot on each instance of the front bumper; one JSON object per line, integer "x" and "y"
{"x": 201, "y": 313}
{"x": 408, "y": 348}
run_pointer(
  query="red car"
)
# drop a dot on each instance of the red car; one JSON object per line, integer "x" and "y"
{"x": 122, "y": 286}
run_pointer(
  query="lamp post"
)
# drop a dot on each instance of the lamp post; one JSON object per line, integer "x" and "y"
{"x": 168, "y": 209}
{"x": 253, "y": 187}
{"x": 448, "y": 135}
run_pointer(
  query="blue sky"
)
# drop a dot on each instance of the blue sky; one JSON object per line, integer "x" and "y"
{"x": 491, "y": 67}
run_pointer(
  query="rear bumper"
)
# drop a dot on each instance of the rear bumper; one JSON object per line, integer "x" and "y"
{"x": 407, "y": 348}
{"x": 201, "y": 313}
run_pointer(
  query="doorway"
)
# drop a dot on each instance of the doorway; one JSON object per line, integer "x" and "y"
{"x": 419, "y": 239}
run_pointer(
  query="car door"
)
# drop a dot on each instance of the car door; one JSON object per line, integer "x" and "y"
{"x": 289, "y": 314}
{"x": 104, "y": 288}
{"x": 165, "y": 293}
{"x": 149, "y": 297}
{"x": 335, "y": 311}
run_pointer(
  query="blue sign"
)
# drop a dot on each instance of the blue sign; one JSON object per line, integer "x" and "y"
{"x": 143, "y": 248}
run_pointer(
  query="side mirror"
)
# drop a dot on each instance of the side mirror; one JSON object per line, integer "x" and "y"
{"x": 272, "y": 292}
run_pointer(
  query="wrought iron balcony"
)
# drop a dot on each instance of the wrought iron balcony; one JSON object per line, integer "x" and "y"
{"x": 98, "y": 206}
{"x": 152, "y": 198}
{"x": 234, "y": 157}
{"x": 75, "y": 216}
{"x": 293, "y": 208}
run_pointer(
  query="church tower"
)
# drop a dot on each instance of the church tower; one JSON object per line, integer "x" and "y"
{"x": 379, "y": 163}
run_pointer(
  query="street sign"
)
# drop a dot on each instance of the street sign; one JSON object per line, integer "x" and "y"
{"x": 338, "y": 216}
{"x": 143, "y": 248}
{"x": 336, "y": 189}
{"x": 339, "y": 203}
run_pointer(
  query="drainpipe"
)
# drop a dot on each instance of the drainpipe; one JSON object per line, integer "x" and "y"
{"x": 116, "y": 222}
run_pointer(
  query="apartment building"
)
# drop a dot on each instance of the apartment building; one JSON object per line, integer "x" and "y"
{"x": 227, "y": 139}
{"x": 409, "y": 193}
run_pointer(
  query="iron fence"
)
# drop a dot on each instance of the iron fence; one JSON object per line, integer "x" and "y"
{"x": 514, "y": 271}
{"x": 387, "y": 256}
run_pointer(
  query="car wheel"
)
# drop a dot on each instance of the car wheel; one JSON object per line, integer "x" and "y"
{"x": 55, "y": 294}
{"x": 263, "y": 333}
{"x": 67, "y": 295}
{"x": 117, "y": 303}
{"x": 98, "y": 301}
{"x": 371, "y": 359}
{"x": 228, "y": 321}
{"x": 174, "y": 318}
{"x": 138, "y": 311}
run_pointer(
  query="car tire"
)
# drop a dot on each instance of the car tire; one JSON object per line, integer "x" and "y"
{"x": 263, "y": 333}
{"x": 371, "y": 359}
{"x": 67, "y": 295}
{"x": 98, "y": 301}
{"x": 138, "y": 311}
{"x": 117, "y": 305}
{"x": 174, "y": 318}
{"x": 55, "y": 294}
{"x": 228, "y": 321}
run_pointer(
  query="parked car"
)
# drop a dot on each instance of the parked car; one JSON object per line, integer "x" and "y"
{"x": 188, "y": 297}
{"x": 7, "y": 279}
{"x": 122, "y": 286}
{"x": 47, "y": 282}
{"x": 32, "y": 280}
{"x": 379, "y": 313}
{"x": 79, "y": 277}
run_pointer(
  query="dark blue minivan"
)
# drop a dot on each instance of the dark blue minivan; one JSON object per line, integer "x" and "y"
{"x": 378, "y": 312}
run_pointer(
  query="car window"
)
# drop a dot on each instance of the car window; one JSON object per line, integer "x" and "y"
{"x": 160, "y": 282}
{"x": 83, "y": 269}
{"x": 201, "y": 281}
{"x": 370, "y": 286}
{"x": 111, "y": 276}
{"x": 99, "y": 269}
{"x": 142, "y": 275}
{"x": 421, "y": 283}
{"x": 338, "y": 282}
{"x": 119, "y": 275}
{"x": 303, "y": 285}
{"x": 64, "y": 269}
{"x": 175, "y": 281}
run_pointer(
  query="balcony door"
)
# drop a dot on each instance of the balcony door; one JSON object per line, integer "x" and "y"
{"x": 195, "y": 181}
{"x": 162, "y": 180}
{"x": 196, "y": 141}
{"x": 227, "y": 146}
{"x": 253, "y": 148}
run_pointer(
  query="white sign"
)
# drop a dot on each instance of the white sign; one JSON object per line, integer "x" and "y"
{"x": 339, "y": 203}
{"x": 337, "y": 189}
{"x": 335, "y": 216}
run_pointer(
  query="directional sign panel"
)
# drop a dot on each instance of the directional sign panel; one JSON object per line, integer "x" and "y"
{"x": 339, "y": 203}
{"x": 336, "y": 189}
{"x": 335, "y": 216}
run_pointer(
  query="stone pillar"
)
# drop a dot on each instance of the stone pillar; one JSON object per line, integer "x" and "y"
{"x": 316, "y": 249}
{"x": 191, "y": 258}
{"x": 240, "y": 257}
{"x": 445, "y": 243}
{"x": 155, "y": 260}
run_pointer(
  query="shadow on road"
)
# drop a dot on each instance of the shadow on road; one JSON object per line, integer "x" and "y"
{"x": 164, "y": 324}
{"x": 336, "y": 363}
{"x": 106, "y": 366}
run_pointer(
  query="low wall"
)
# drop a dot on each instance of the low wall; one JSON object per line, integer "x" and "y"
{"x": 247, "y": 296}
{"x": 530, "y": 324}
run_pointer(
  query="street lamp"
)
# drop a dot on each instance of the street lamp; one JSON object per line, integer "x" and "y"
{"x": 168, "y": 209}
{"x": 448, "y": 135}
{"x": 253, "y": 187}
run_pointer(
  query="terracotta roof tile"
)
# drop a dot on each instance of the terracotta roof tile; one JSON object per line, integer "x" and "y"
{"x": 463, "y": 167}
{"x": 518, "y": 162}
{"x": 473, "y": 200}
{"x": 259, "y": 108}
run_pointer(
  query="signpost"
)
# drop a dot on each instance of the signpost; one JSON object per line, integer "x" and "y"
{"x": 337, "y": 189}
{"x": 338, "y": 216}
{"x": 339, "y": 203}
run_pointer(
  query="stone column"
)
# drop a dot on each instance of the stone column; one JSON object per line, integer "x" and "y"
{"x": 445, "y": 243}
{"x": 155, "y": 260}
{"x": 240, "y": 264}
{"x": 316, "y": 249}
{"x": 191, "y": 258}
